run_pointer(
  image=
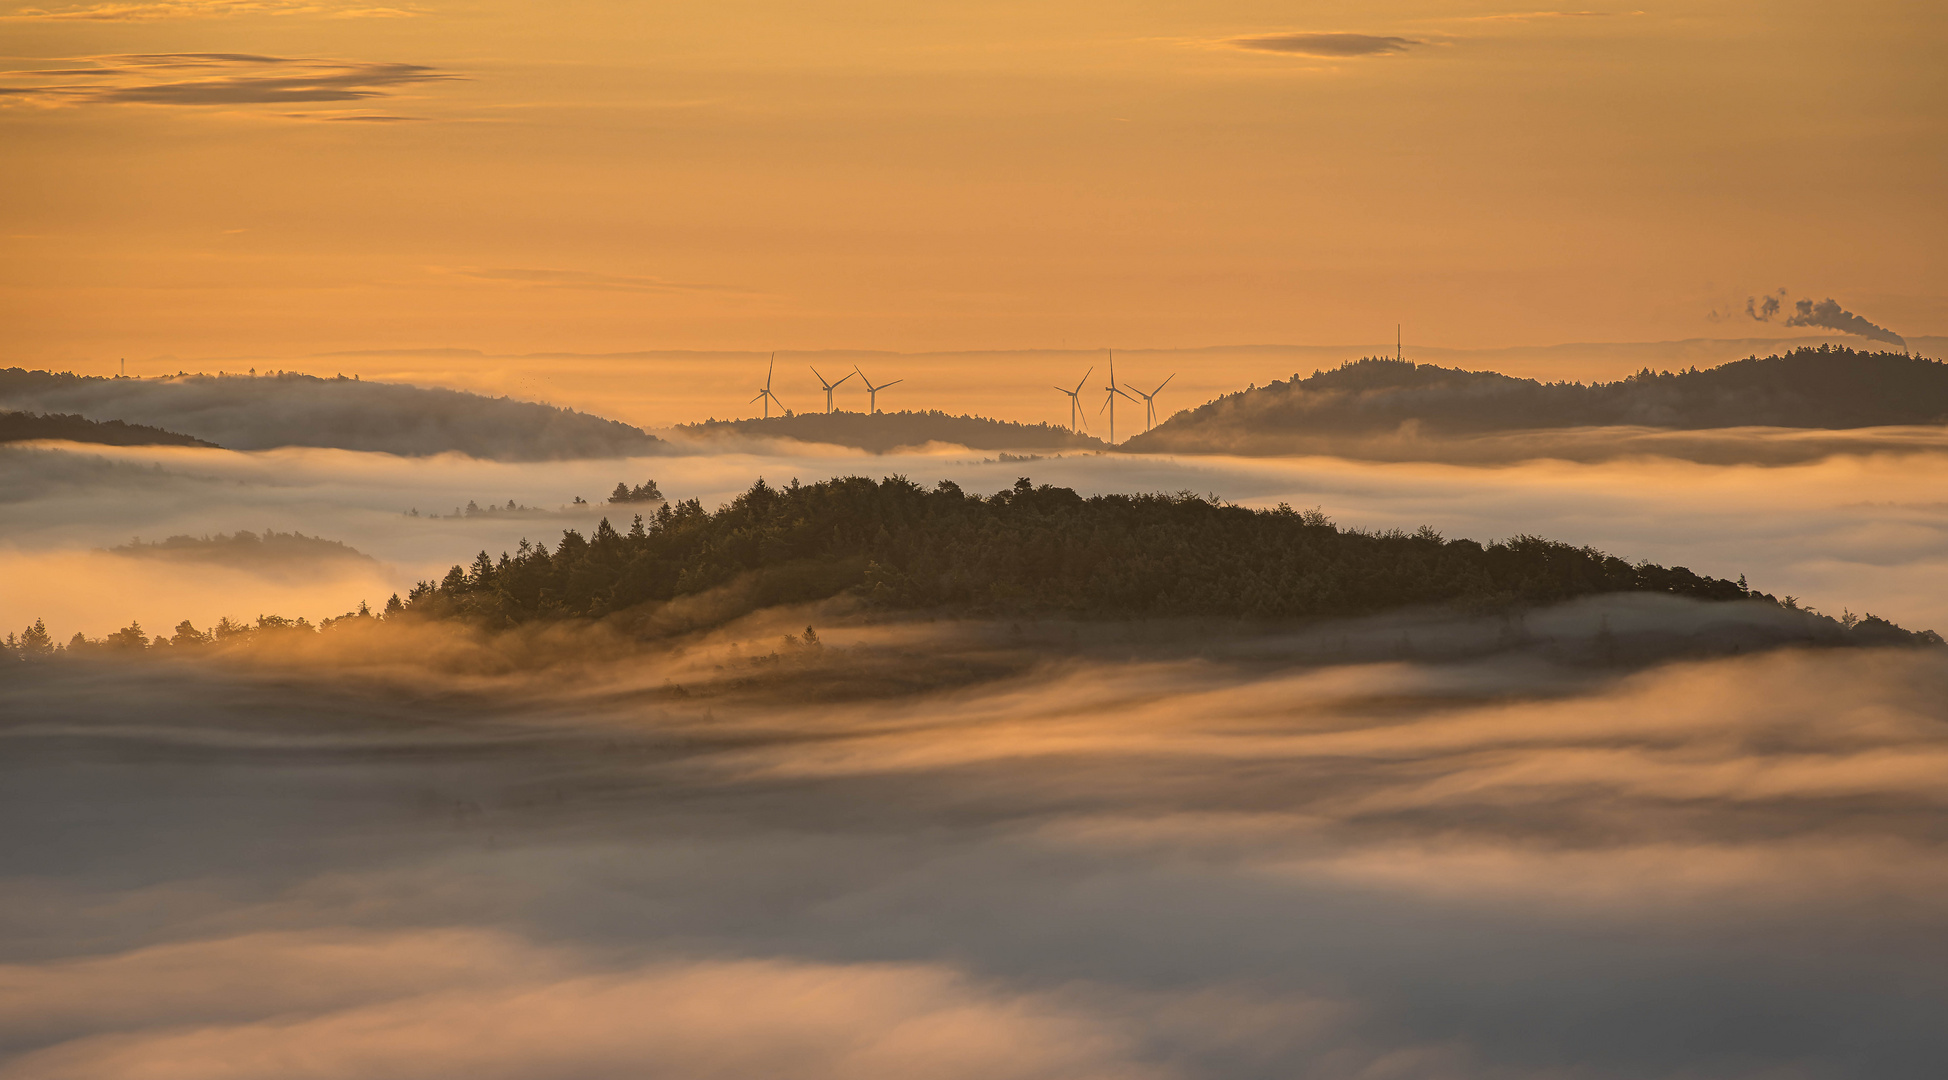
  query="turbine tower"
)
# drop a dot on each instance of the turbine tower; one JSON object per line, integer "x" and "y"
{"x": 829, "y": 387}
{"x": 872, "y": 392}
{"x": 765, "y": 395}
{"x": 1150, "y": 402}
{"x": 1075, "y": 400}
{"x": 1109, "y": 399}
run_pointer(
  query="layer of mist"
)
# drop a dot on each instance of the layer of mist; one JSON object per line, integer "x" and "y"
{"x": 1863, "y": 532}
{"x": 251, "y": 412}
{"x": 1031, "y": 851}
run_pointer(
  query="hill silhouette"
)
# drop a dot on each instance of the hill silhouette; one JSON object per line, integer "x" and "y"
{"x": 262, "y": 412}
{"x": 880, "y": 433}
{"x": 1038, "y": 550}
{"x": 1827, "y": 387}
{"x": 22, "y": 426}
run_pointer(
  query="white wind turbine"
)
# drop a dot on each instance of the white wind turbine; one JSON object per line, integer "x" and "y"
{"x": 829, "y": 387}
{"x": 1150, "y": 402}
{"x": 1075, "y": 399}
{"x": 1109, "y": 398}
{"x": 872, "y": 392}
{"x": 765, "y": 395}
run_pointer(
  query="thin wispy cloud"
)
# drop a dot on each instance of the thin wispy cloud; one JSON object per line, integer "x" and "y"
{"x": 582, "y": 279}
{"x": 216, "y": 79}
{"x": 1533, "y": 16}
{"x": 1334, "y": 46}
{"x": 201, "y": 9}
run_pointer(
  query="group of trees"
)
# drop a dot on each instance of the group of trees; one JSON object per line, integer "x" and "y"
{"x": 36, "y": 643}
{"x": 647, "y": 491}
{"x": 1028, "y": 549}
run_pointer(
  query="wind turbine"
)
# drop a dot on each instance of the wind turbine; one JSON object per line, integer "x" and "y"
{"x": 829, "y": 387}
{"x": 765, "y": 395}
{"x": 872, "y": 392}
{"x": 1150, "y": 402}
{"x": 1075, "y": 399}
{"x": 1109, "y": 399}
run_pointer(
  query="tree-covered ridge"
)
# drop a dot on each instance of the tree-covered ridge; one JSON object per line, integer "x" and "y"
{"x": 22, "y": 426}
{"x": 879, "y": 433}
{"x": 1826, "y": 387}
{"x": 1031, "y": 550}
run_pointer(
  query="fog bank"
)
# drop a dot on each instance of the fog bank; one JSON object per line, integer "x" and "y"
{"x": 1223, "y": 866}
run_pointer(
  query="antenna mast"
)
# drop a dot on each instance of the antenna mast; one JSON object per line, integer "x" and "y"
{"x": 1397, "y": 353}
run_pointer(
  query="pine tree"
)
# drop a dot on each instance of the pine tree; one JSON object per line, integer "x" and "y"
{"x": 35, "y": 642}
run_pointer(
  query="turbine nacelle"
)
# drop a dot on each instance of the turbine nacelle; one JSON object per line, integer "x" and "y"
{"x": 1075, "y": 399}
{"x": 830, "y": 386}
{"x": 872, "y": 392}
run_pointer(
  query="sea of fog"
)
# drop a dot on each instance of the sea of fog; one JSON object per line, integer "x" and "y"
{"x": 1860, "y": 532}
{"x": 1018, "y": 862}
{"x": 957, "y": 849}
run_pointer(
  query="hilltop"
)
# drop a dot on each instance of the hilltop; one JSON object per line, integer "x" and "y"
{"x": 262, "y": 412}
{"x": 881, "y": 433}
{"x": 22, "y": 426}
{"x": 1041, "y": 551}
{"x": 1824, "y": 388}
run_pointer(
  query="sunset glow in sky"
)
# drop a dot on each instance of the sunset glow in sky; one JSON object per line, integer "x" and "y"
{"x": 221, "y": 178}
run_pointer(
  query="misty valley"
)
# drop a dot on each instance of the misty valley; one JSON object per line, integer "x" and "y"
{"x": 1399, "y": 721}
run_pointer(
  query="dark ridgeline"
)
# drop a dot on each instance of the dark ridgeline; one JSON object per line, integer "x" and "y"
{"x": 261, "y": 412}
{"x": 879, "y": 433}
{"x": 21, "y": 426}
{"x": 1826, "y": 387}
{"x": 1031, "y": 550}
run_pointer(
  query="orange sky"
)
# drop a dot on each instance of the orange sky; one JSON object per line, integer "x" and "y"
{"x": 595, "y": 176}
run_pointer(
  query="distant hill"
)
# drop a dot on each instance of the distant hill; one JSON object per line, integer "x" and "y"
{"x": 246, "y": 412}
{"x": 879, "y": 433}
{"x": 1825, "y": 388}
{"x": 246, "y": 549}
{"x": 21, "y": 426}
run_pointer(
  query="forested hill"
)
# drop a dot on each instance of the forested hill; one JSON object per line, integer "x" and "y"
{"x": 260, "y": 412}
{"x": 20, "y": 427}
{"x": 879, "y": 433}
{"x": 1031, "y": 550}
{"x": 1827, "y": 387}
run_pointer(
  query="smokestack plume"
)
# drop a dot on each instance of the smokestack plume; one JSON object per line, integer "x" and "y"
{"x": 1827, "y": 314}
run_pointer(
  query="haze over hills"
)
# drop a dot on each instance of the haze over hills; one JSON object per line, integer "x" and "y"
{"x": 252, "y": 412}
{"x": 883, "y": 432}
{"x": 1345, "y": 409}
{"x": 659, "y": 388}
